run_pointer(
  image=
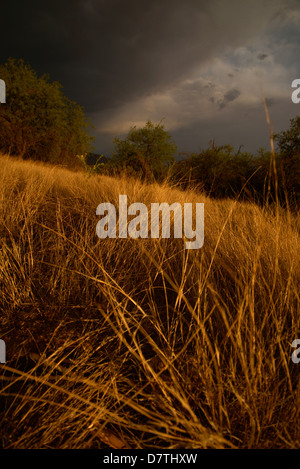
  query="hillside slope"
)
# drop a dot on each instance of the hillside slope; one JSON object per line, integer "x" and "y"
{"x": 140, "y": 342}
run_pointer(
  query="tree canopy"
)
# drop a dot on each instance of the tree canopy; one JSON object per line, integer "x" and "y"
{"x": 289, "y": 146}
{"x": 38, "y": 121}
{"x": 148, "y": 150}
{"x": 289, "y": 140}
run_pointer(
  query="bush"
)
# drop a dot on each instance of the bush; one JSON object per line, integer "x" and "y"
{"x": 289, "y": 147}
{"x": 147, "y": 151}
{"x": 217, "y": 170}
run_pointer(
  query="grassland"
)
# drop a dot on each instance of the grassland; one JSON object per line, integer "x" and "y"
{"x": 140, "y": 343}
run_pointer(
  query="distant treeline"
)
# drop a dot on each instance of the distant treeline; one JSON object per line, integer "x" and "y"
{"x": 219, "y": 171}
{"x": 222, "y": 172}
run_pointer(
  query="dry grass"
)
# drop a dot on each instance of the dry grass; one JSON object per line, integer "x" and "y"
{"x": 141, "y": 343}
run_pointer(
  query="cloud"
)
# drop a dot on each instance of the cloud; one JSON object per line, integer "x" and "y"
{"x": 229, "y": 96}
{"x": 126, "y": 60}
{"x": 109, "y": 52}
{"x": 222, "y": 101}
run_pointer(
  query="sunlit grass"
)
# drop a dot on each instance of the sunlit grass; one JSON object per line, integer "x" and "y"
{"x": 141, "y": 343}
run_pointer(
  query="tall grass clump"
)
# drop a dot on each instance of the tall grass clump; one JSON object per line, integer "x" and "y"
{"x": 140, "y": 343}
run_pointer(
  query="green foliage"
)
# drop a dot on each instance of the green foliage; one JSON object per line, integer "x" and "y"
{"x": 38, "y": 121}
{"x": 289, "y": 146}
{"x": 218, "y": 170}
{"x": 221, "y": 172}
{"x": 289, "y": 140}
{"x": 147, "y": 151}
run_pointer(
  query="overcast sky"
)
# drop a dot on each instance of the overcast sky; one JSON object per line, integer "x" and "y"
{"x": 192, "y": 63}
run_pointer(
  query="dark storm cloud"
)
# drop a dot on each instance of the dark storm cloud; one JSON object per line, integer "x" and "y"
{"x": 262, "y": 56}
{"x": 108, "y": 52}
{"x": 127, "y": 61}
{"x": 230, "y": 96}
